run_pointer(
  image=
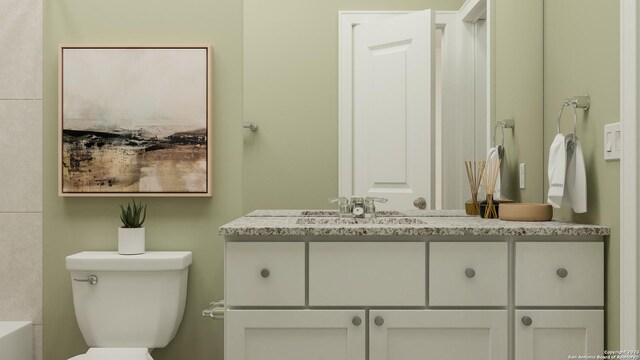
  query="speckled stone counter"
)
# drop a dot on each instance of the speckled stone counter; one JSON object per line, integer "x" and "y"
{"x": 405, "y": 223}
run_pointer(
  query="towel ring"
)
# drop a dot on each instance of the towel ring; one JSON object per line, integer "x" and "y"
{"x": 509, "y": 123}
{"x": 577, "y": 102}
{"x": 575, "y": 116}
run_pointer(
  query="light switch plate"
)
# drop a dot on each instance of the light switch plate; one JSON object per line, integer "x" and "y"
{"x": 612, "y": 141}
{"x": 523, "y": 172}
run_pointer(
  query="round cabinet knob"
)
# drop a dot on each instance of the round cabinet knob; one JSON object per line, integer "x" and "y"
{"x": 265, "y": 273}
{"x": 470, "y": 273}
{"x": 378, "y": 320}
{"x": 527, "y": 321}
{"x": 356, "y": 321}
{"x": 562, "y": 272}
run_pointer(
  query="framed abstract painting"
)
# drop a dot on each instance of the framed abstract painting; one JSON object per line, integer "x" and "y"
{"x": 134, "y": 120}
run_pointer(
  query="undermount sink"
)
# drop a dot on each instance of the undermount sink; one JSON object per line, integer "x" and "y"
{"x": 334, "y": 213}
{"x": 358, "y": 221}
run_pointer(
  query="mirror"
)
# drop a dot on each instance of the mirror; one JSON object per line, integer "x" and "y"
{"x": 291, "y": 90}
{"x": 408, "y": 80}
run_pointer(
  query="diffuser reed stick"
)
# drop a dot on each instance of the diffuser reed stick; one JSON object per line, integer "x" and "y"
{"x": 475, "y": 170}
{"x": 491, "y": 171}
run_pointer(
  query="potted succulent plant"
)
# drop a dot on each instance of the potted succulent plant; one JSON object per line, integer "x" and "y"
{"x": 131, "y": 234}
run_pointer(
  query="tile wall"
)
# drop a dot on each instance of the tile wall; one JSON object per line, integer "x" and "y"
{"x": 21, "y": 163}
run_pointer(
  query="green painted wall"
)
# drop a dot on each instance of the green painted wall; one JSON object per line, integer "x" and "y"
{"x": 72, "y": 225}
{"x": 581, "y": 56}
{"x": 293, "y": 98}
{"x": 519, "y": 90}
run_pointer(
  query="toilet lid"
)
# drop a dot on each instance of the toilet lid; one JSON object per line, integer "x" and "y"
{"x": 115, "y": 354}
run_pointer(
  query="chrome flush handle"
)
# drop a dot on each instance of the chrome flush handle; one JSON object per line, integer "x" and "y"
{"x": 92, "y": 280}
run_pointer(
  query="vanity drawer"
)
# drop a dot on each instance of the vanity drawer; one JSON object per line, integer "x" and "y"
{"x": 468, "y": 274}
{"x": 265, "y": 274}
{"x": 560, "y": 274}
{"x": 367, "y": 274}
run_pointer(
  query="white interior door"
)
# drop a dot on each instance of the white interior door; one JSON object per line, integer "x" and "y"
{"x": 394, "y": 97}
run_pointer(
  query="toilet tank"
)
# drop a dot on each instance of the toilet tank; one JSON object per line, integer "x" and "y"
{"x": 137, "y": 301}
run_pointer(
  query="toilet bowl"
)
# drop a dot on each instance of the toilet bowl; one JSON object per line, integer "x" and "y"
{"x": 128, "y": 304}
{"x": 115, "y": 353}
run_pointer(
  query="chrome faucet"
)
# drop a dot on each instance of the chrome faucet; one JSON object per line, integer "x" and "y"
{"x": 356, "y": 206}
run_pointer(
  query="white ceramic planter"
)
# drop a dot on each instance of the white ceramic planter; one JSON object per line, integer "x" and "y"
{"x": 130, "y": 241}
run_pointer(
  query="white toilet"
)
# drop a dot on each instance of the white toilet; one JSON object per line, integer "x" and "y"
{"x": 127, "y": 305}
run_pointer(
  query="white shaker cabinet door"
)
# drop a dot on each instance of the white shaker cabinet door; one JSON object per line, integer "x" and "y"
{"x": 438, "y": 334}
{"x": 556, "y": 334}
{"x": 295, "y": 334}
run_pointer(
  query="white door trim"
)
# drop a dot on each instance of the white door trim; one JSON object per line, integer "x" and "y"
{"x": 629, "y": 181}
{"x": 346, "y": 21}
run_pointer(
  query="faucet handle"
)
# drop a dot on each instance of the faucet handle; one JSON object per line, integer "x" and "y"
{"x": 370, "y": 206}
{"x": 343, "y": 204}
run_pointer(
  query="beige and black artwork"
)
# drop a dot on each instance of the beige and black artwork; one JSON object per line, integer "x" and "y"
{"x": 134, "y": 121}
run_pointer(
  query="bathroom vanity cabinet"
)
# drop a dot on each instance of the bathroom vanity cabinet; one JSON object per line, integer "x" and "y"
{"x": 435, "y": 287}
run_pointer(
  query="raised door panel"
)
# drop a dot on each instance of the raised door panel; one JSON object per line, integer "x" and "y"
{"x": 559, "y": 274}
{"x": 556, "y": 334}
{"x": 393, "y": 99}
{"x": 438, "y": 334}
{"x": 265, "y": 274}
{"x": 367, "y": 274}
{"x": 294, "y": 334}
{"x": 468, "y": 274}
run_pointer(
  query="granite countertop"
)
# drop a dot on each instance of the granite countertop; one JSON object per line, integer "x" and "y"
{"x": 404, "y": 223}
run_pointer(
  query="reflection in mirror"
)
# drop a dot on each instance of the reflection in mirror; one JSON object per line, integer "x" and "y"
{"x": 414, "y": 104}
{"x": 292, "y": 90}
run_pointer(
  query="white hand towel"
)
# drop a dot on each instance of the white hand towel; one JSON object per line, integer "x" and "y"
{"x": 556, "y": 171}
{"x": 493, "y": 155}
{"x": 576, "y": 177}
{"x": 503, "y": 179}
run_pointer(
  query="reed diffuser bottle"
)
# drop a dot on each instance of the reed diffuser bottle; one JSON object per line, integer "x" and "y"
{"x": 489, "y": 179}
{"x": 475, "y": 170}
